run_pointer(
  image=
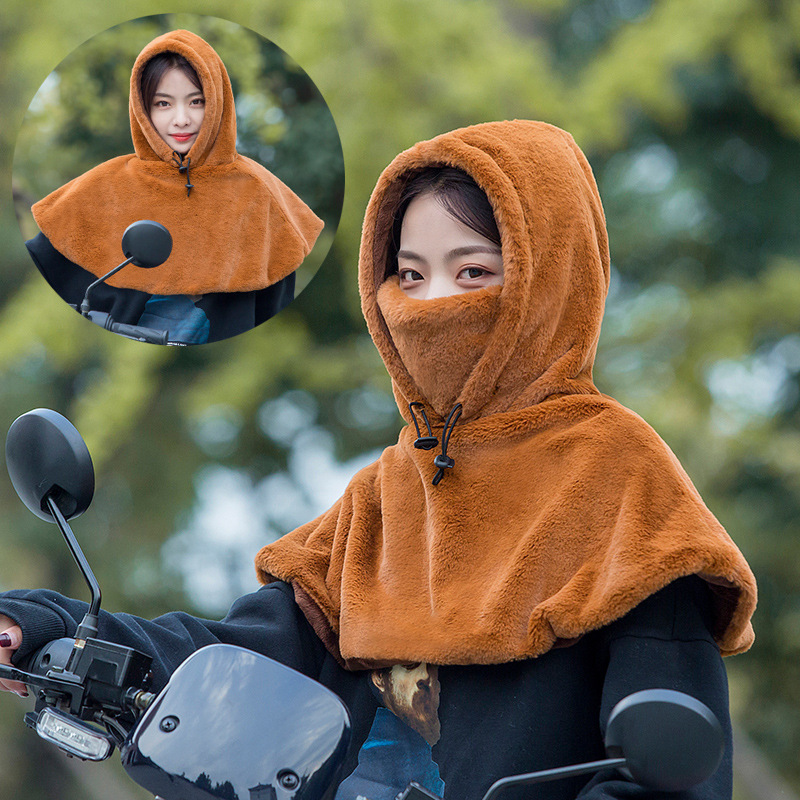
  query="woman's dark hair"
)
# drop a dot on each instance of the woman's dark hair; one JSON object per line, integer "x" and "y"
{"x": 154, "y": 71}
{"x": 460, "y": 196}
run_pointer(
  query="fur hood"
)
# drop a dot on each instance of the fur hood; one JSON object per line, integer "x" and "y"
{"x": 546, "y": 320}
{"x": 561, "y": 510}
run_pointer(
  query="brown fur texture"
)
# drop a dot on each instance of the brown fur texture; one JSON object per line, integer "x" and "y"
{"x": 240, "y": 229}
{"x": 564, "y": 510}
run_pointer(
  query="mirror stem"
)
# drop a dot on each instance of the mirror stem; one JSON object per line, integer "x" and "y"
{"x": 550, "y": 774}
{"x": 88, "y": 627}
{"x": 85, "y": 303}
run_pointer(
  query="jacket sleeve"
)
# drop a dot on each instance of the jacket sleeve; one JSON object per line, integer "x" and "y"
{"x": 267, "y": 621}
{"x": 70, "y": 281}
{"x": 665, "y": 644}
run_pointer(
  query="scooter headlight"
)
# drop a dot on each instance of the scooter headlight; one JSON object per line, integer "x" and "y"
{"x": 73, "y": 736}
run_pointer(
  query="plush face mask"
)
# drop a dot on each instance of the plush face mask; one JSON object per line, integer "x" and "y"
{"x": 440, "y": 340}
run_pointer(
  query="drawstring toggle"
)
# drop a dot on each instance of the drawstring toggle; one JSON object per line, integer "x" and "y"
{"x": 443, "y": 461}
{"x": 177, "y": 159}
{"x": 422, "y": 442}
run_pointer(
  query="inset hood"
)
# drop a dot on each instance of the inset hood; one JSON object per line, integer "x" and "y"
{"x": 235, "y": 226}
{"x": 216, "y": 143}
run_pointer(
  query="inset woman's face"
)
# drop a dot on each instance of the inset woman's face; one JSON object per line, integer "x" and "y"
{"x": 177, "y": 110}
{"x": 440, "y": 256}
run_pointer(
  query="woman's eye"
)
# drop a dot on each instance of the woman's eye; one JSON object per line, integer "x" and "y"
{"x": 410, "y": 275}
{"x": 199, "y": 101}
{"x": 474, "y": 272}
{"x": 160, "y": 104}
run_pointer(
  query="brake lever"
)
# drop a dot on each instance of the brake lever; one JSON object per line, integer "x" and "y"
{"x": 60, "y": 685}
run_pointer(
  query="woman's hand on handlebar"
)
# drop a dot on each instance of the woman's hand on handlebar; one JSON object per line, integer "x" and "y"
{"x": 10, "y": 640}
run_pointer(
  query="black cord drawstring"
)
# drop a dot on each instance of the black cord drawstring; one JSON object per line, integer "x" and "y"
{"x": 177, "y": 159}
{"x": 443, "y": 461}
{"x": 422, "y": 442}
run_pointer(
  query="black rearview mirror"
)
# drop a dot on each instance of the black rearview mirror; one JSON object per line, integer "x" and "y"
{"x": 669, "y": 740}
{"x": 47, "y": 457}
{"x": 147, "y": 243}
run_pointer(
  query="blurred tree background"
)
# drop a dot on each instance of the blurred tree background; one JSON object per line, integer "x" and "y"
{"x": 689, "y": 111}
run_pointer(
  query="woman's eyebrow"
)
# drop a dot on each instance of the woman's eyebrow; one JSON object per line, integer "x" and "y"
{"x": 456, "y": 252}
{"x": 470, "y": 249}
{"x": 172, "y": 97}
{"x": 411, "y": 256}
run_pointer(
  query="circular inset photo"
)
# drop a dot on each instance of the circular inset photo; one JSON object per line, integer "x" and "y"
{"x": 181, "y": 179}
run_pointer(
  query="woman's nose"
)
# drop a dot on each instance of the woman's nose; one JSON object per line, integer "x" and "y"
{"x": 441, "y": 284}
{"x": 181, "y": 115}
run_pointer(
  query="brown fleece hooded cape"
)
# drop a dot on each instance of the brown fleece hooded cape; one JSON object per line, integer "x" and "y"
{"x": 563, "y": 510}
{"x": 238, "y": 229}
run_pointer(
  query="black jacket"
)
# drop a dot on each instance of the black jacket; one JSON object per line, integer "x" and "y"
{"x": 229, "y": 313}
{"x": 495, "y": 720}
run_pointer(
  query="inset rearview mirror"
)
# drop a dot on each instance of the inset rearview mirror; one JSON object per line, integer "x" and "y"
{"x": 148, "y": 243}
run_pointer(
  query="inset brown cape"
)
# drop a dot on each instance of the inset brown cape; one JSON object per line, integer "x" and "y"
{"x": 564, "y": 510}
{"x": 239, "y": 229}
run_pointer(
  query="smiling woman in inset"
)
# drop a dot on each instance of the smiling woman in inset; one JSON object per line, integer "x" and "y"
{"x": 173, "y": 95}
{"x": 238, "y": 232}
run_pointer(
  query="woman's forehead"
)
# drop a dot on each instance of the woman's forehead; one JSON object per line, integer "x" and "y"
{"x": 427, "y": 224}
{"x": 176, "y": 80}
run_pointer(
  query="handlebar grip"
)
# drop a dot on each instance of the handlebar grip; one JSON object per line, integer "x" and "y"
{"x": 138, "y": 332}
{"x": 105, "y": 320}
{"x": 56, "y": 653}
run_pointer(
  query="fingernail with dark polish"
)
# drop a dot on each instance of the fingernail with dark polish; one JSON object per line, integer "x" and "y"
{"x": 5, "y": 640}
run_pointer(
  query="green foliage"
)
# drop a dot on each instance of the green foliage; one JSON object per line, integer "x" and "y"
{"x": 690, "y": 113}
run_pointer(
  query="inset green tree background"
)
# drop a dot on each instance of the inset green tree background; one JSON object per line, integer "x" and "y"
{"x": 79, "y": 118}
